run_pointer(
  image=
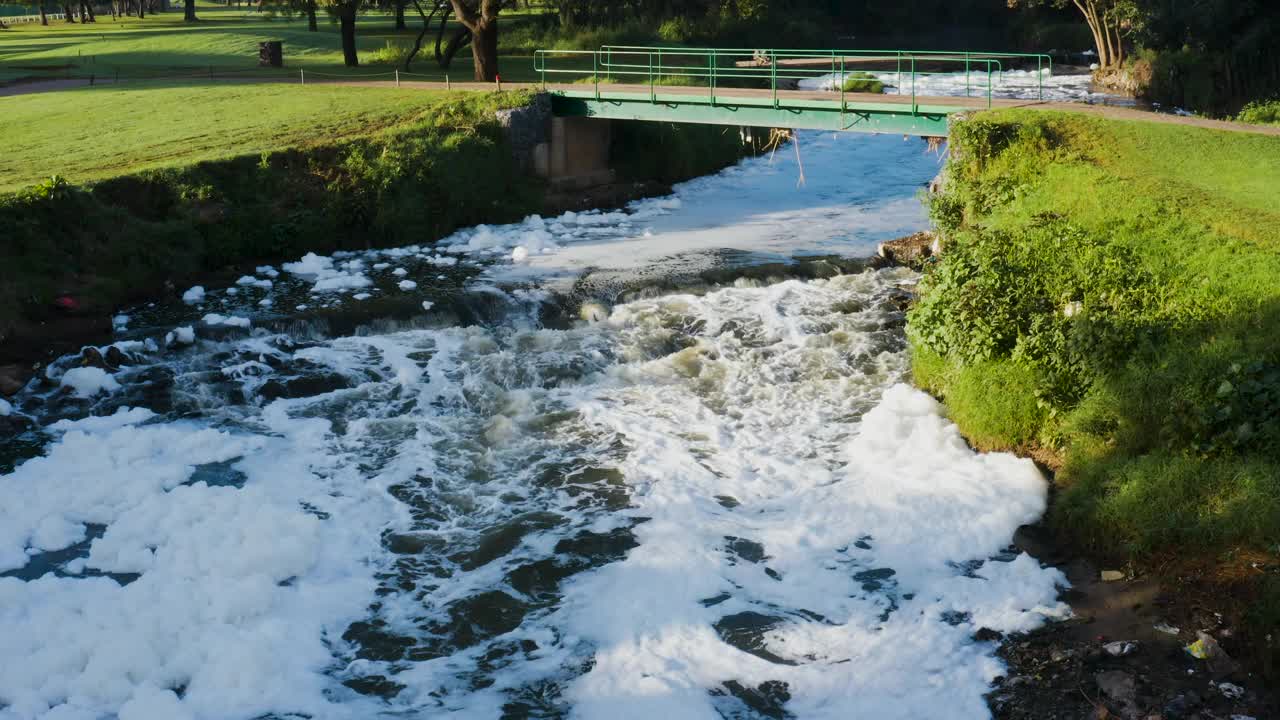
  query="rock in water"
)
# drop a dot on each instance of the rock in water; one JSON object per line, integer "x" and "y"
{"x": 911, "y": 251}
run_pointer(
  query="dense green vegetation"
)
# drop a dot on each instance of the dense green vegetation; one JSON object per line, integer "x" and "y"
{"x": 1212, "y": 57}
{"x": 862, "y": 82}
{"x": 124, "y": 237}
{"x": 1109, "y": 296}
{"x": 1261, "y": 112}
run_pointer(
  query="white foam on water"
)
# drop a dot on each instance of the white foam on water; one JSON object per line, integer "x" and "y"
{"x": 840, "y": 194}
{"x": 193, "y": 295}
{"x": 225, "y": 320}
{"x": 1009, "y": 84}
{"x": 328, "y": 274}
{"x": 89, "y": 381}
{"x": 102, "y": 423}
{"x": 639, "y": 516}
{"x": 184, "y": 335}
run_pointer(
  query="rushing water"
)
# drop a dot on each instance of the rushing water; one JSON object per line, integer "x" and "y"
{"x": 436, "y": 490}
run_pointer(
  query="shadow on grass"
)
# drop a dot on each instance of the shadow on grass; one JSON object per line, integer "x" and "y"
{"x": 1180, "y": 445}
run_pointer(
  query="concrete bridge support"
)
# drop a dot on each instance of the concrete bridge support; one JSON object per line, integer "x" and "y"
{"x": 570, "y": 152}
{"x": 577, "y": 154}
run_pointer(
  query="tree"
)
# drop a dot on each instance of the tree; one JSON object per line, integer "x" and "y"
{"x": 189, "y": 11}
{"x": 1107, "y": 19}
{"x": 346, "y": 11}
{"x": 480, "y": 18}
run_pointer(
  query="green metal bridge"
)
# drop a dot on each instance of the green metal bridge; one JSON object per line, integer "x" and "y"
{"x": 726, "y": 86}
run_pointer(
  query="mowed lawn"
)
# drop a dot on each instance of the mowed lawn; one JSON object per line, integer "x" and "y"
{"x": 225, "y": 39}
{"x": 93, "y": 133}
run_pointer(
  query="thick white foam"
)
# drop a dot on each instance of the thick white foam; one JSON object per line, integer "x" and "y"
{"x": 683, "y": 461}
{"x": 1009, "y": 84}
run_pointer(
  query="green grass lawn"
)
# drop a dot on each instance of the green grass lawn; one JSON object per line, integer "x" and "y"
{"x": 1111, "y": 294}
{"x": 92, "y": 133}
{"x": 226, "y": 38}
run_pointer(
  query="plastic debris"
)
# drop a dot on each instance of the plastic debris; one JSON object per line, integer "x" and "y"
{"x": 1198, "y": 650}
{"x": 1207, "y": 648}
{"x": 1112, "y": 575}
{"x": 1231, "y": 690}
{"x": 1166, "y": 628}
{"x": 1120, "y": 648}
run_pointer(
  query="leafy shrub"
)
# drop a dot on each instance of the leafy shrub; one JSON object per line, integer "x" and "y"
{"x": 678, "y": 29}
{"x": 862, "y": 82}
{"x": 392, "y": 53}
{"x": 1261, "y": 112}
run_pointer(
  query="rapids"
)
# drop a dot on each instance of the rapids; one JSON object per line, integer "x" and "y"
{"x": 418, "y": 483}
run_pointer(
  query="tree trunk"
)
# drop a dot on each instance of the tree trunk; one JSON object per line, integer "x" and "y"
{"x": 189, "y": 11}
{"x": 44, "y": 17}
{"x": 311, "y": 16}
{"x": 399, "y": 7}
{"x": 67, "y": 15}
{"x": 142, "y": 9}
{"x": 347, "y": 22}
{"x": 93, "y": 18}
{"x": 484, "y": 50}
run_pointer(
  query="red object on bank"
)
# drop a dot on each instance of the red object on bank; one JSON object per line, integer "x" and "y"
{"x": 66, "y": 302}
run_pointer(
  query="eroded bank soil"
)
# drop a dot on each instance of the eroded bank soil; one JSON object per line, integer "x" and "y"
{"x": 1124, "y": 654}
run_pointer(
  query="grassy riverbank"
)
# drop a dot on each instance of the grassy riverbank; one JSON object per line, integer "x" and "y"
{"x": 1109, "y": 302}
{"x": 220, "y": 177}
{"x": 411, "y": 171}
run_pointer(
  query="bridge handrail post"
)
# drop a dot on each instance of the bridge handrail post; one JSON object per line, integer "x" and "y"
{"x": 966, "y": 74}
{"x": 773, "y": 77}
{"x": 989, "y": 89}
{"x": 653, "y": 96}
{"x": 595, "y": 72}
{"x": 842, "y": 100}
{"x": 899, "y": 54}
{"x": 711, "y": 59}
{"x": 914, "y": 107}
{"x": 1040, "y": 77}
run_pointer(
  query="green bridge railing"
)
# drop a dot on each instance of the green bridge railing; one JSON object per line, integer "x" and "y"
{"x": 723, "y": 68}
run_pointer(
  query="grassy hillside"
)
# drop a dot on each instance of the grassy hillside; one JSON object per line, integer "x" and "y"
{"x": 1110, "y": 300}
{"x": 92, "y": 133}
{"x": 126, "y": 236}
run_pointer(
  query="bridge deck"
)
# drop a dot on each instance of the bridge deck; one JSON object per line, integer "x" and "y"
{"x": 900, "y": 103}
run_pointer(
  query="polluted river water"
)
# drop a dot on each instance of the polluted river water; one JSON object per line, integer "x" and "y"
{"x": 654, "y": 463}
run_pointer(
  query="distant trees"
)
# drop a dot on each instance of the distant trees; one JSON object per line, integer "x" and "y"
{"x": 290, "y": 8}
{"x": 1108, "y": 20}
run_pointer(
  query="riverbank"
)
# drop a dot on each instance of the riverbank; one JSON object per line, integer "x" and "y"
{"x": 394, "y": 168}
{"x": 1106, "y": 304}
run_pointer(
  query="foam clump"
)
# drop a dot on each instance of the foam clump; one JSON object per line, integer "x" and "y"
{"x": 86, "y": 382}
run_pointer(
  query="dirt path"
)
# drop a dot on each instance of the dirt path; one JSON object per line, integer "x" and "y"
{"x": 726, "y": 95}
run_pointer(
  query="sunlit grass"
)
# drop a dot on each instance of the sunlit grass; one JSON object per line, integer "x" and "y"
{"x": 93, "y": 133}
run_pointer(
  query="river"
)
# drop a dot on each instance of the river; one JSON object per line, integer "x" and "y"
{"x": 653, "y": 463}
